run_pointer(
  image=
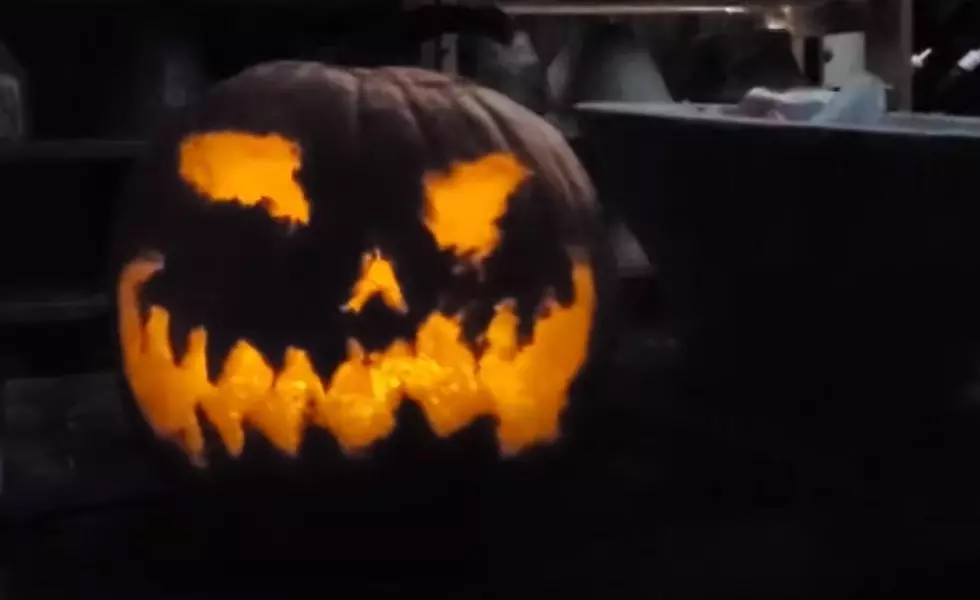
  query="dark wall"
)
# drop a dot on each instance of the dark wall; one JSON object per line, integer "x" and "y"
{"x": 89, "y": 67}
{"x": 100, "y": 70}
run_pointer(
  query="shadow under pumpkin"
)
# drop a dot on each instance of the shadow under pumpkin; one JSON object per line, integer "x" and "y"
{"x": 225, "y": 331}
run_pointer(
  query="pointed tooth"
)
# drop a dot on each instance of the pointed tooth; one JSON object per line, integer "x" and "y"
{"x": 476, "y": 319}
{"x": 324, "y": 358}
{"x": 220, "y": 343}
{"x": 179, "y": 332}
{"x": 274, "y": 356}
{"x": 215, "y": 447}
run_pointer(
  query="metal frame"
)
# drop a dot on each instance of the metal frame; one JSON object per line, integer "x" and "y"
{"x": 887, "y": 25}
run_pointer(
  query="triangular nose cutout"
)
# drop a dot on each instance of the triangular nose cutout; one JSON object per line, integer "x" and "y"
{"x": 377, "y": 279}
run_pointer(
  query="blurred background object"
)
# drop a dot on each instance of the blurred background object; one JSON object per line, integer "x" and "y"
{"x": 614, "y": 64}
{"x": 13, "y": 97}
{"x": 947, "y": 45}
{"x": 515, "y": 69}
{"x": 728, "y": 64}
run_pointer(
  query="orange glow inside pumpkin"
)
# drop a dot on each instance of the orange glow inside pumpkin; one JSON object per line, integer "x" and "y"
{"x": 248, "y": 169}
{"x": 377, "y": 279}
{"x": 464, "y": 204}
{"x": 524, "y": 387}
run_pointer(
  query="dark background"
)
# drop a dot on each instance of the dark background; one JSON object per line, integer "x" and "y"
{"x": 671, "y": 490}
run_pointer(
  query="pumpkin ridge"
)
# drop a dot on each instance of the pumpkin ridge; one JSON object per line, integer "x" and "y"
{"x": 510, "y": 137}
{"x": 357, "y": 110}
{"x": 498, "y": 105}
{"x": 479, "y": 117}
{"x": 411, "y": 105}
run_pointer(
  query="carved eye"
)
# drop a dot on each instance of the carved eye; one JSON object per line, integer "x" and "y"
{"x": 248, "y": 169}
{"x": 464, "y": 204}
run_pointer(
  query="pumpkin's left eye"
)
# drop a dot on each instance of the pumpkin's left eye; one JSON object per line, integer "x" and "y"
{"x": 465, "y": 203}
{"x": 247, "y": 169}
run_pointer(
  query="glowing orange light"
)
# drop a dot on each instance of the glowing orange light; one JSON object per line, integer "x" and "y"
{"x": 464, "y": 204}
{"x": 525, "y": 388}
{"x": 377, "y": 279}
{"x": 248, "y": 169}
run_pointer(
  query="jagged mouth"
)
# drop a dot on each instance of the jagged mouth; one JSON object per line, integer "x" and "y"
{"x": 522, "y": 386}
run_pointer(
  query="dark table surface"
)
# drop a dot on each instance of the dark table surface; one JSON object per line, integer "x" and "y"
{"x": 659, "y": 498}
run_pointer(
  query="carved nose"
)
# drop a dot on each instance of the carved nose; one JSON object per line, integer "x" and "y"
{"x": 377, "y": 279}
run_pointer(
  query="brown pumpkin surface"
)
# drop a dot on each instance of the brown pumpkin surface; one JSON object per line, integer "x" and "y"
{"x": 308, "y": 247}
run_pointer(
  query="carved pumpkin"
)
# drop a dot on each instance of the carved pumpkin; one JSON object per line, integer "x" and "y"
{"x": 309, "y": 247}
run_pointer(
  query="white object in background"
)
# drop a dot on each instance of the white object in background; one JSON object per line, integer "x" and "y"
{"x": 792, "y": 105}
{"x": 862, "y": 100}
{"x": 847, "y": 57}
{"x": 919, "y": 60}
{"x": 969, "y": 61}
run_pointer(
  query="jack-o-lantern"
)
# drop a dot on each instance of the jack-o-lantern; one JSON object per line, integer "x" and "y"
{"x": 308, "y": 247}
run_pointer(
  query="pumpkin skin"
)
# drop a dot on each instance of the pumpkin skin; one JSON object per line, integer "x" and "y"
{"x": 308, "y": 248}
